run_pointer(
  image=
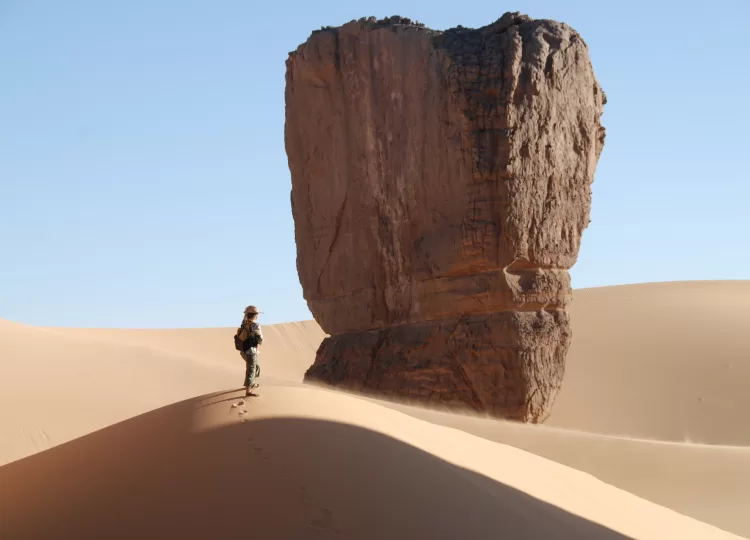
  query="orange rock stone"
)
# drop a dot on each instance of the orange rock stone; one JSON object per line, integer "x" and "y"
{"x": 440, "y": 188}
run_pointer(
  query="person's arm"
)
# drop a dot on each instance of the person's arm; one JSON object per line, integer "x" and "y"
{"x": 260, "y": 335}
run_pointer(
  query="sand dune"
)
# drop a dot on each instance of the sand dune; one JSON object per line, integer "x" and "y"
{"x": 59, "y": 384}
{"x": 709, "y": 483}
{"x": 286, "y": 351}
{"x": 653, "y": 404}
{"x": 309, "y": 464}
{"x": 666, "y": 361}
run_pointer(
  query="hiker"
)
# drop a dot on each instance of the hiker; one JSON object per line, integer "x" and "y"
{"x": 247, "y": 340}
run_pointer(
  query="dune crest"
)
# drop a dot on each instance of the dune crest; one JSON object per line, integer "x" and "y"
{"x": 653, "y": 365}
{"x": 305, "y": 463}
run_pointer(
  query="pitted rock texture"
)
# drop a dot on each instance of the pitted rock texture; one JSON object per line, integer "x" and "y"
{"x": 440, "y": 188}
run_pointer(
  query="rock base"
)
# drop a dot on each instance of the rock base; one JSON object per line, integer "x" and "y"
{"x": 507, "y": 364}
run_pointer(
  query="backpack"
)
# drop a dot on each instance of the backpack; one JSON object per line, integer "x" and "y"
{"x": 244, "y": 339}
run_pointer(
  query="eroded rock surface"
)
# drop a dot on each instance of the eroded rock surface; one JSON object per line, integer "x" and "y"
{"x": 440, "y": 188}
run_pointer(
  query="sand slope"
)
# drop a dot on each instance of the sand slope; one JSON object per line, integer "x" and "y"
{"x": 667, "y": 362}
{"x": 312, "y": 464}
{"x": 710, "y": 483}
{"x": 59, "y": 384}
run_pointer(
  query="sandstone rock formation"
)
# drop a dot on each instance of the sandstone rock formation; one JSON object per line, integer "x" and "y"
{"x": 440, "y": 187}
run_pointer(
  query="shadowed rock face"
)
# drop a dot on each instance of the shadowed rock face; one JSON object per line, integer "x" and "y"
{"x": 440, "y": 187}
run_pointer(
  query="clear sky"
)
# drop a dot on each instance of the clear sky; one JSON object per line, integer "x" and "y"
{"x": 144, "y": 182}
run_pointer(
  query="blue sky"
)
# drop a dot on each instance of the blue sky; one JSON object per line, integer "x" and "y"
{"x": 144, "y": 183}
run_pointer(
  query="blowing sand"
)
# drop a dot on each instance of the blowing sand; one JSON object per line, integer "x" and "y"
{"x": 648, "y": 438}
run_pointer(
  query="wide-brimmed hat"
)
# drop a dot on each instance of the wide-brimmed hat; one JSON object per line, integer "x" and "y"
{"x": 252, "y": 310}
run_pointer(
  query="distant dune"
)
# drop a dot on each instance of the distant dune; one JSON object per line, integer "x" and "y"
{"x": 666, "y": 361}
{"x": 648, "y": 438}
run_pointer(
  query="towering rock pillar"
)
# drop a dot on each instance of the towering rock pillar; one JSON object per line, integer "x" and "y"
{"x": 440, "y": 188}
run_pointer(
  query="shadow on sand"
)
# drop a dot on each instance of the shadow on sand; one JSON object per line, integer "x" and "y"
{"x": 159, "y": 476}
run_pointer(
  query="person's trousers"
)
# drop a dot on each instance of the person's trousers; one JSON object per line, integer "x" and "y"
{"x": 252, "y": 367}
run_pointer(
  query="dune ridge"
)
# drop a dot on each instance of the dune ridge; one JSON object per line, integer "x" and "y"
{"x": 652, "y": 406}
{"x": 360, "y": 464}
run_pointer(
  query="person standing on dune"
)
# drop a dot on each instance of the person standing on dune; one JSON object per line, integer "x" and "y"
{"x": 247, "y": 340}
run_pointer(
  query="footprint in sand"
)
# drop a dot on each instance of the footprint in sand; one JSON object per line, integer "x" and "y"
{"x": 258, "y": 451}
{"x": 325, "y": 522}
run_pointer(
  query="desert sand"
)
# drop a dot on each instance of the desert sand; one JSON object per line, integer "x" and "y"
{"x": 102, "y": 436}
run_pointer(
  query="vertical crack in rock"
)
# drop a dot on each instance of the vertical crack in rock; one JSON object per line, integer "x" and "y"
{"x": 336, "y": 231}
{"x": 456, "y": 168}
